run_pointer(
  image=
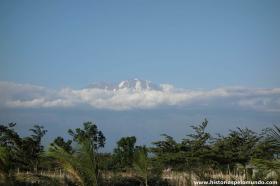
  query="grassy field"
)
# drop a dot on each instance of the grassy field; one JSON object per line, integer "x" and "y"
{"x": 168, "y": 178}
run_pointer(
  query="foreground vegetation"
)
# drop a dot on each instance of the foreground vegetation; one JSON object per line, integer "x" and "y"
{"x": 240, "y": 155}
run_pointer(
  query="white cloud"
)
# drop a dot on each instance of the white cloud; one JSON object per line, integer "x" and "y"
{"x": 39, "y": 102}
{"x": 29, "y": 96}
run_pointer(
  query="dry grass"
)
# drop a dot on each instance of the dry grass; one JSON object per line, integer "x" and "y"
{"x": 173, "y": 177}
{"x": 187, "y": 178}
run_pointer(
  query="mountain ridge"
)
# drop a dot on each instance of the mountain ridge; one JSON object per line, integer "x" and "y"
{"x": 133, "y": 84}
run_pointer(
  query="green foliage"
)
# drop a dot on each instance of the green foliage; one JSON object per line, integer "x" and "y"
{"x": 90, "y": 133}
{"x": 168, "y": 152}
{"x": 4, "y": 162}
{"x": 266, "y": 158}
{"x": 198, "y": 154}
{"x": 196, "y": 146}
{"x": 60, "y": 142}
{"x": 265, "y": 149}
{"x": 141, "y": 163}
{"x": 237, "y": 147}
{"x": 31, "y": 148}
{"x": 12, "y": 143}
{"x": 191, "y": 152}
{"x": 8, "y": 137}
{"x": 124, "y": 153}
{"x": 274, "y": 134}
{"x": 83, "y": 164}
{"x": 269, "y": 169}
{"x": 68, "y": 162}
{"x": 24, "y": 152}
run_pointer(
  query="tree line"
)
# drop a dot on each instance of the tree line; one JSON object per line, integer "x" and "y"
{"x": 241, "y": 151}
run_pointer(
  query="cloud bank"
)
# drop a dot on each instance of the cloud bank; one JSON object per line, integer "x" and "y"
{"x": 13, "y": 95}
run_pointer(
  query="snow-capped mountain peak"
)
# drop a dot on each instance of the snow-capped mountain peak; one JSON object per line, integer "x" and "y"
{"x": 134, "y": 84}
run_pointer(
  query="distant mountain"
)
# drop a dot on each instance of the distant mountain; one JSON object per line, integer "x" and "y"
{"x": 134, "y": 84}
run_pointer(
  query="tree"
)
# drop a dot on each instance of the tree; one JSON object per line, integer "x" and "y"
{"x": 83, "y": 164}
{"x": 236, "y": 148}
{"x": 196, "y": 146}
{"x": 141, "y": 163}
{"x": 266, "y": 148}
{"x": 124, "y": 153}
{"x": 274, "y": 134}
{"x": 191, "y": 152}
{"x": 266, "y": 169}
{"x": 10, "y": 143}
{"x": 266, "y": 156}
{"x": 168, "y": 152}
{"x": 60, "y": 142}
{"x": 24, "y": 152}
{"x": 32, "y": 147}
{"x": 90, "y": 133}
{"x": 9, "y": 138}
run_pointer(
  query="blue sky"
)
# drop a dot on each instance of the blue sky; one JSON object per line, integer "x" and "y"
{"x": 190, "y": 44}
{"x": 211, "y": 59}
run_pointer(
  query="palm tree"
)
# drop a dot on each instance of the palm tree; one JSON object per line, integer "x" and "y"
{"x": 268, "y": 167}
{"x": 273, "y": 165}
{"x": 81, "y": 165}
{"x": 275, "y": 135}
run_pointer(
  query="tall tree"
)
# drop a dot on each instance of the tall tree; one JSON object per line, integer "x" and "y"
{"x": 33, "y": 145}
{"x": 197, "y": 146}
{"x": 168, "y": 153}
{"x": 124, "y": 153}
{"x": 60, "y": 142}
{"x": 24, "y": 152}
{"x": 238, "y": 147}
{"x": 83, "y": 164}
